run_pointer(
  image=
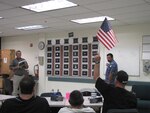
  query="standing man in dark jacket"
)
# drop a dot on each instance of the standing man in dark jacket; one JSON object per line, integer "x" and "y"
{"x": 114, "y": 97}
{"x": 18, "y": 66}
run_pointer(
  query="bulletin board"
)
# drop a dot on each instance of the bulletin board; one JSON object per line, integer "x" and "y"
{"x": 71, "y": 57}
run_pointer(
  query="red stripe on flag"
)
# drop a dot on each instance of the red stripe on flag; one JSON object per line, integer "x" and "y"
{"x": 105, "y": 40}
{"x": 102, "y": 40}
{"x": 111, "y": 36}
{"x": 106, "y": 35}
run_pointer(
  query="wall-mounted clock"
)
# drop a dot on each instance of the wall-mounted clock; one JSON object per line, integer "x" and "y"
{"x": 41, "y": 45}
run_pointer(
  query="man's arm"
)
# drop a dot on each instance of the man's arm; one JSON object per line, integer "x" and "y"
{"x": 100, "y": 84}
{"x": 96, "y": 67}
{"x": 13, "y": 66}
{"x": 26, "y": 65}
{"x": 3, "y": 108}
{"x": 23, "y": 64}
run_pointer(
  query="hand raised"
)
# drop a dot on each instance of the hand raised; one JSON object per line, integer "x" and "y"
{"x": 97, "y": 58}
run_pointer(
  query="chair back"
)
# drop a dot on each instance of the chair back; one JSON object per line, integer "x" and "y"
{"x": 123, "y": 111}
{"x": 141, "y": 91}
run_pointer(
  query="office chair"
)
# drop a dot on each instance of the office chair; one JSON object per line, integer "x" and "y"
{"x": 53, "y": 98}
{"x": 123, "y": 111}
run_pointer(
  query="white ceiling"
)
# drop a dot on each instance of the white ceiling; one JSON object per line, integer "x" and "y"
{"x": 125, "y": 12}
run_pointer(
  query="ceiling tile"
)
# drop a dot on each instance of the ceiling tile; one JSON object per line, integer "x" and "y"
{"x": 85, "y": 2}
{"x": 113, "y": 4}
{"x": 67, "y": 11}
{"x": 19, "y": 3}
{"x": 80, "y": 16}
{"x": 123, "y": 10}
{"x": 14, "y": 12}
{"x": 4, "y": 6}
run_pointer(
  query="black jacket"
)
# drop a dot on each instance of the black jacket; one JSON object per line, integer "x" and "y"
{"x": 115, "y": 97}
{"x": 33, "y": 105}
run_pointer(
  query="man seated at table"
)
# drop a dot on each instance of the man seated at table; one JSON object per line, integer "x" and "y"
{"x": 114, "y": 97}
{"x": 26, "y": 102}
{"x": 76, "y": 101}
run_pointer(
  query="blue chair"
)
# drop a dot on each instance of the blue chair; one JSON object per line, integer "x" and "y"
{"x": 143, "y": 97}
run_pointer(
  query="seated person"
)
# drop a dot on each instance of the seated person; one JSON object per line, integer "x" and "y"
{"x": 26, "y": 102}
{"x": 76, "y": 101}
{"x": 114, "y": 97}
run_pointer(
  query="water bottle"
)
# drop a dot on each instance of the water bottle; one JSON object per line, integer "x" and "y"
{"x": 57, "y": 90}
{"x": 53, "y": 91}
{"x": 58, "y": 93}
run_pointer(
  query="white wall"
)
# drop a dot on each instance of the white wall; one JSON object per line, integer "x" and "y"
{"x": 23, "y": 43}
{"x": 125, "y": 35}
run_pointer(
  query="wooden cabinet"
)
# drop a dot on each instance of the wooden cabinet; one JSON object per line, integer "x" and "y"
{"x": 1, "y": 84}
{"x": 7, "y": 55}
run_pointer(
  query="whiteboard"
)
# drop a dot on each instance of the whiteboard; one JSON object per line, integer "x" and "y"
{"x": 127, "y": 56}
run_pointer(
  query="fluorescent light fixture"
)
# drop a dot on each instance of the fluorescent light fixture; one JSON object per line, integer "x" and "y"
{"x": 33, "y": 27}
{"x": 91, "y": 20}
{"x": 49, "y": 5}
{"x": 1, "y": 17}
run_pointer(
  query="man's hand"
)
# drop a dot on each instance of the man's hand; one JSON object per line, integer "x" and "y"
{"x": 97, "y": 58}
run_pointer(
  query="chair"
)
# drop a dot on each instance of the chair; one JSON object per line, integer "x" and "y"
{"x": 123, "y": 111}
{"x": 143, "y": 97}
{"x": 54, "y": 97}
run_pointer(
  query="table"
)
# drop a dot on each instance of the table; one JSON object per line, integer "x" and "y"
{"x": 4, "y": 97}
{"x": 65, "y": 102}
{"x": 60, "y": 104}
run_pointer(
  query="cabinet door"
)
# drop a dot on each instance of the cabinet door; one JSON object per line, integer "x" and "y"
{"x": 6, "y": 57}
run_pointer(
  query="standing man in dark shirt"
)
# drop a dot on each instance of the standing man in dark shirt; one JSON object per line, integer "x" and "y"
{"x": 26, "y": 102}
{"x": 114, "y": 97}
{"x": 112, "y": 69}
{"x": 18, "y": 66}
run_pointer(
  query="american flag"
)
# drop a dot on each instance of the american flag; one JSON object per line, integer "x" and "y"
{"x": 106, "y": 35}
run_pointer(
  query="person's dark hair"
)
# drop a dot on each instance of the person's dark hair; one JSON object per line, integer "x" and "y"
{"x": 76, "y": 98}
{"x": 122, "y": 77}
{"x": 110, "y": 54}
{"x": 27, "y": 85}
{"x": 18, "y": 51}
